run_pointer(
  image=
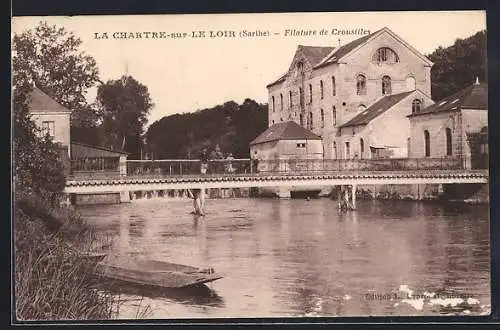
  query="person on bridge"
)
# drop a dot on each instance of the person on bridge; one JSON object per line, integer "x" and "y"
{"x": 203, "y": 161}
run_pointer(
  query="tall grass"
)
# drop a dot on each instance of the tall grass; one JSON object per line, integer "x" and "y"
{"x": 52, "y": 280}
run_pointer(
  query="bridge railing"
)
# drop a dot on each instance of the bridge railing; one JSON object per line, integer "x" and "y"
{"x": 361, "y": 165}
{"x": 297, "y": 166}
{"x": 188, "y": 167}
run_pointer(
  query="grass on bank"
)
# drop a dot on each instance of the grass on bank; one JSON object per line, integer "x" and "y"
{"x": 52, "y": 281}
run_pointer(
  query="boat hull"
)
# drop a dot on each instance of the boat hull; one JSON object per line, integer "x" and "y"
{"x": 155, "y": 273}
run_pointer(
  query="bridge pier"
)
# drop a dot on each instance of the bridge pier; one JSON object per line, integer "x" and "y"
{"x": 353, "y": 196}
{"x": 283, "y": 192}
{"x": 124, "y": 197}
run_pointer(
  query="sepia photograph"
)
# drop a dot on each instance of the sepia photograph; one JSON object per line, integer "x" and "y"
{"x": 271, "y": 165}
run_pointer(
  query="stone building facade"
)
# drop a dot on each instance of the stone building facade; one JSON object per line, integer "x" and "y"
{"x": 326, "y": 87}
{"x": 441, "y": 130}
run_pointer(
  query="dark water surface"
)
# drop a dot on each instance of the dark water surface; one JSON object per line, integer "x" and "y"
{"x": 304, "y": 258}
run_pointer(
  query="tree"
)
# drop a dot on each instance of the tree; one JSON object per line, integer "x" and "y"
{"x": 457, "y": 66}
{"x": 37, "y": 163}
{"x": 50, "y": 58}
{"x": 124, "y": 105}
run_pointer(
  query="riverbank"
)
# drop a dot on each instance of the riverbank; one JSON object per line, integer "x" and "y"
{"x": 52, "y": 280}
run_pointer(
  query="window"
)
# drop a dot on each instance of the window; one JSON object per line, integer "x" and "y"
{"x": 281, "y": 101}
{"x": 361, "y": 84}
{"x": 310, "y": 120}
{"x": 385, "y": 55}
{"x": 301, "y": 96}
{"x": 334, "y": 92}
{"x": 310, "y": 93}
{"x": 427, "y": 143}
{"x": 49, "y": 127}
{"x": 290, "y": 100}
{"x": 411, "y": 84}
{"x": 321, "y": 88}
{"x": 334, "y": 150}
{"x": 347, "y": 151}
{"x": 281, "y": 119}
{"x": 386, "y": 85}
{"x": 448, "y": 142}
{"x": 416, "y": 106}
{"x": 302, "y": 120}
{"x": 273, "y": 104}
{"x": 301, "y": 145}
{"x": 273, "y": 122}
{"x": 322, "y": 118}
{"x": 334, "y": 116}
{"x": 361, "y": 147}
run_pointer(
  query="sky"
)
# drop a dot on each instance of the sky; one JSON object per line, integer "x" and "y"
{"x": 185, "y": 74}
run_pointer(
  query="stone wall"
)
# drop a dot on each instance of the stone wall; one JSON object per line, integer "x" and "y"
{"x": 94, "y": 199}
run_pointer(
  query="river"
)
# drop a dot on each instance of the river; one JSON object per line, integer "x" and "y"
{"x": 297, "y": 257}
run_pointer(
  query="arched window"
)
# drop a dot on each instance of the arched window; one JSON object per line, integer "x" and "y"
{"x": 416, "y": 105}
{"x": 334, "y": 150}
{"x": 427, "y": 143}
{"x": 361, "y": 84}
{"x": 273, "y": 104}
{"x": 322, "y": 118}
{"x": 334, "y": 116}
{"x": 347, "y": 150}
{"x": 361, "y": 147}
{"x": 310, "y": 93}
{"x": 385, "y": 55}
{"x": 449, "y": 151}
{"x": 290, "y": 100}
{"x": 310, "y": 120}
{"x": 281, "y": 119}
{"x": 321, "y": 89}
{"x": 411, "y": 83}
{"x": 281, "y": 101}
{"x": 334, "y": 92}
{"x": 386, "y": 85}
{"x": 301, "y": 96}
{"x": 301, "y": 120}
{"x": 273, "y": 122}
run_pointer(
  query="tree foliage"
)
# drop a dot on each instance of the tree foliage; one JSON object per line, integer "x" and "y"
{"x": 457, "y": 66}
{"x": 50, "y": 58}
{"x": 230, "y": 125}
{"x": 38, "y": 165}
{"x": 124, "y": 105}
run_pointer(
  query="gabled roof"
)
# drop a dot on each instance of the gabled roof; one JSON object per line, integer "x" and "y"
{"x": 313, "y": 54}
{"x": 376, "y": 109}
{"x": 343, "y": 50}
{"x": 288, "y": 130}
{"x": 337, "y": 54}
{"x": 81, "y": 150}
{"x": 474, "y": 97}
{"x": 41, "y": 102}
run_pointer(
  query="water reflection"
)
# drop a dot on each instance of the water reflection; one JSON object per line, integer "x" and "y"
{"x": 305, "y": 258}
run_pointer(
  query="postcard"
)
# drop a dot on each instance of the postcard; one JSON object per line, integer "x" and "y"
{"x": 272, "y": 165}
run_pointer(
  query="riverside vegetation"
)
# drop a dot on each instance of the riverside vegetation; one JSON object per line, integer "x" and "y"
{"x": 52, "y": 280}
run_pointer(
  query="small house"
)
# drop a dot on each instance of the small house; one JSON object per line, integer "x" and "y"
{"x": 380, "y": 131}
{"x": 447, "y": 129}
{"x": 287, "y": 142}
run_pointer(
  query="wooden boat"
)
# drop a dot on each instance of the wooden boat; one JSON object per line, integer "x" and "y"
{"x": 156, "y": 273}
